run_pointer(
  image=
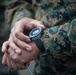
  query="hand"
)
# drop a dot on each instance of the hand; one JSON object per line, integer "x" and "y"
{"x": 25, "y": 56}
{"x": 16, "y": 61}
{"x": 12, "y": 64}
{"x": 19, "y": 35}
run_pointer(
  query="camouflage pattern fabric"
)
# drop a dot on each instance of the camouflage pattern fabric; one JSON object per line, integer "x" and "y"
{"x": 59, "y": 38}
{"x": 4, "y": 33}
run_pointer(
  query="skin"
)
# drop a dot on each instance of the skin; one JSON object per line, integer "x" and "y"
{"x": 16, "y": 61}
{"x": 19, "y": 35}
{"x": 25, "y": 56}
{"x": 19, "y": 49}
{"x": 12, "y": 64}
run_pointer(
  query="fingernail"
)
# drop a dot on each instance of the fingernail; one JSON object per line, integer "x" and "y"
{"x": 18, "y": 51}
{"x": 28, "y": 49}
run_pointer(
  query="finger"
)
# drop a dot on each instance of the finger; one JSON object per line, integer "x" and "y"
{"x": 31, "y": 23}
{"x": 13, "y": 55}
{"x": 18, "y": 27}
{"x": 15, "y": 62}
{"x": 23, "y": 37}
{"x": 5, "y": 47}
{"x": 9, "y": 62}
{"x": 36, "y": 23}
{"x": 22, "y": 45}
{"x": 13, "y": 46}
{"x": 14, "y": 66}
{"x": 4, "y": 60}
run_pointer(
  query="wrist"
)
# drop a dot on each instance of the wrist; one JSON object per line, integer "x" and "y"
{"x": 35, "y": 48}
{"x": 35, "y": 35}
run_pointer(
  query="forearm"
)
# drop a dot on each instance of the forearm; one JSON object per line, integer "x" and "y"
{"x": 60, "y": 39}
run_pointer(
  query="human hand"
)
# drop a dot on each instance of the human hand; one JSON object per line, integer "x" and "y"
{"x": 19, "y": 35}
{"x": 16, "y": 61}
{"x": 11, "y": 63}
{"x": 25, "y": 56}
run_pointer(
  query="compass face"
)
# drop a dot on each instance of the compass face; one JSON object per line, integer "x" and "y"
{"x": 35, "y": 32}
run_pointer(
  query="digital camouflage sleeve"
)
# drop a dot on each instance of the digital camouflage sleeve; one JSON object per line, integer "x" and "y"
{"x": 59, "y": 38}
{"x": 16, "y": 10}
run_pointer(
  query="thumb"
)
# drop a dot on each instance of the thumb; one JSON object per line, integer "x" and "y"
{"x": 36, "y": 23}
{"x": 41, "y": 26}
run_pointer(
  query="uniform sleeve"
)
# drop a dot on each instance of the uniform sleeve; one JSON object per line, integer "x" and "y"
{"x": 16, "y": 10}
{"x": 60, "y": 40}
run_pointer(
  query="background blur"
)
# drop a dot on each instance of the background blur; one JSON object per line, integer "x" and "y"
{"x": 26, "y": 72}
{"x": 20, "y": 72}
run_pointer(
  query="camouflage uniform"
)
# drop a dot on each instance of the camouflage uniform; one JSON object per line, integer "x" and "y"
{"x": 4, "y": 32}
{"x": 59, "y": 38}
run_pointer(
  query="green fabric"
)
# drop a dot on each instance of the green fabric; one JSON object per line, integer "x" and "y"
{"x": 59, "y": 38}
